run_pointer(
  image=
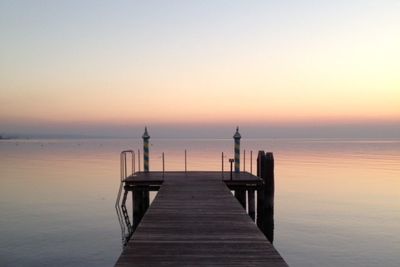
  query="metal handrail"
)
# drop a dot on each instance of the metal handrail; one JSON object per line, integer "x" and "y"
{"x": 124, "y": 171}
{"x": 223, "y": 156}
{"x": 123, "y": 175}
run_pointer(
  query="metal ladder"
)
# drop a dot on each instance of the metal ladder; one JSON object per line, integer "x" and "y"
{"x": 120, "y": 207}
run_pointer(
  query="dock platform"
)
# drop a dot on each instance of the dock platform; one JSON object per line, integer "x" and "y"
{"x": 195, "y": 220}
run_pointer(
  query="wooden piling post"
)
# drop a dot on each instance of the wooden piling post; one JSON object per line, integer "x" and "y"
{"x": 265, "y": 194}
{"x": 240, "y": 194}
{"x": 260, "y": 191}
{"x": 146, "y": 199}
{"x": 140, "y": 204}
{"x": 269, "y": 197}
{"x": 260, "y": 208}
{"x": 137, "y": 206}
{"x": 251, "y": 203}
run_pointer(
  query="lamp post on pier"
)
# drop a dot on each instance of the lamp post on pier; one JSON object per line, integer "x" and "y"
{"x": 237, "y": 137}
{"x": 146, "y": 138}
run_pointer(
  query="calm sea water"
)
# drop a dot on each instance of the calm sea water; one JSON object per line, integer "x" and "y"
{"x": 337, "y": 201}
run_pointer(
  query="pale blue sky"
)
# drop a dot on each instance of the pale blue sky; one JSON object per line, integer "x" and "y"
{"x": 66, "y": 66}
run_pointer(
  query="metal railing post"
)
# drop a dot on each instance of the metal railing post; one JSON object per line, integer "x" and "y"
{"x": 163, "y": 163}
{"x": 231, "y": 161}
{"x": 138, "y": 151}
{"x": 185, "y": 161}
{"x": 244, "y": 160}
{"x": 251, "y": 161}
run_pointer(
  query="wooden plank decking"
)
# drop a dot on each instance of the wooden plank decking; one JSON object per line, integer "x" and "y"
{"x": 196, "y": 221}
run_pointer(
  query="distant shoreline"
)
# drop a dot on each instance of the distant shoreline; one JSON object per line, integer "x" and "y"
{"x": 5, "y": 138}
{"x": 32, "y": 138}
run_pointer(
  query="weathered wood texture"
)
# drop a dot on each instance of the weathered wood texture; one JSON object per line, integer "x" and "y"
{"x": 195, "y": 221}
{"x": 265, "y": 195}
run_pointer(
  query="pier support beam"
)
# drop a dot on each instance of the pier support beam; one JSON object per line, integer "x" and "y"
{"x": 251, "y": 203}
{"x": 137, "y": 208}
{"x": 146, "y": 199}
{"x": 240, "y": 194}
{"x": 265, "y": 194}
{"x": 140, "y": 204}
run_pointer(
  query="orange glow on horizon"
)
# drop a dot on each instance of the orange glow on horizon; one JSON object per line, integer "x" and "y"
{"x": 316, "y": 69}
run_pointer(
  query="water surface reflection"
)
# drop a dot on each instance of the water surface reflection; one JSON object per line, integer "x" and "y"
{"x": 337, "y": 202}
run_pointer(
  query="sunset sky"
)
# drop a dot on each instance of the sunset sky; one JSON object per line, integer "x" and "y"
{"x": 111, "y": 67}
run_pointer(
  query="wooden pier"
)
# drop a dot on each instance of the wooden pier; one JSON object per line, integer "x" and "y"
{"x": 196, "y": 221}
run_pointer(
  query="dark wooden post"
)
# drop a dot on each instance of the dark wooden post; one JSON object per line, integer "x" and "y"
{"x": 269, "y": 192}
{"x": 260, "y": 191}
{"x": 146, "y": 199}
{"x": 260, "y": 169}
{"x": 137, "y": 206}
{"x": 140, "y": 204}
{"x": 265, "y": 194}
{"x": 240, "y": 194}
{"x": 251, "y": 203}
